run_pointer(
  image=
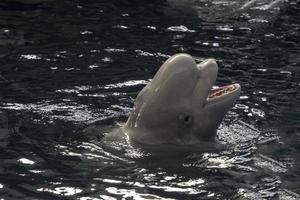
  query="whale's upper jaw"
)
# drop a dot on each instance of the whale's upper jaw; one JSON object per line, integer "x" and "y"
{"x": 179, "y": 104}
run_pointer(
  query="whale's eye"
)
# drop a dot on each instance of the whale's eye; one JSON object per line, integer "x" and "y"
{"x": 185, "y": 119}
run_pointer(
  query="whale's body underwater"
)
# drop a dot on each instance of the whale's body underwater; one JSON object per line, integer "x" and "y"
{"x": 179, "y": 105}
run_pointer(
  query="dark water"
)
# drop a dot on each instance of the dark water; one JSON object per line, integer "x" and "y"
{"x": 71, "y": 69}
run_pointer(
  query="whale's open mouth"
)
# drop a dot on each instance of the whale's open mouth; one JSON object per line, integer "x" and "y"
{"x": 222, "y": 91}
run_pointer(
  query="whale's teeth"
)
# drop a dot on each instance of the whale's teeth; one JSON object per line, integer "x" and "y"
{"x": 214, "y": 93}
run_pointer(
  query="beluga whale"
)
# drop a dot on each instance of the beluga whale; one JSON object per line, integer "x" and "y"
{"x": 180, "y": 106}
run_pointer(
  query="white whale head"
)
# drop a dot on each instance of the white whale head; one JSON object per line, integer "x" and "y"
{"x": 179, "y": 105}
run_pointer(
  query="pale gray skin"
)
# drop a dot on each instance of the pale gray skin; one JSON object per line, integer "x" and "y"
{"x": 173, "y": 108}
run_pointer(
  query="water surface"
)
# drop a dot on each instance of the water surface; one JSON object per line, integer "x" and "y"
{"x": 70, "y": 71}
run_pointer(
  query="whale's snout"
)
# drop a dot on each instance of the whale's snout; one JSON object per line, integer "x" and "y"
{"x": 208, "y": 69}
{"x": 208, "y": 63}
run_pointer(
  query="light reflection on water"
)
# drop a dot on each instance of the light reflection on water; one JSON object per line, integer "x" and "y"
{"x": 26, "y": 161}
{"x": 63, "y": 191}
{"x": 125, "y": 193}
{"x": 57, "y": 111}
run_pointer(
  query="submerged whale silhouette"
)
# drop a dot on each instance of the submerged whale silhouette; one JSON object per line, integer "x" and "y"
{"x": 179, "y": 105}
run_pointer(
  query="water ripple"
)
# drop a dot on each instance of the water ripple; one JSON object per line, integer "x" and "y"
{"x": 180, "y": 29}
